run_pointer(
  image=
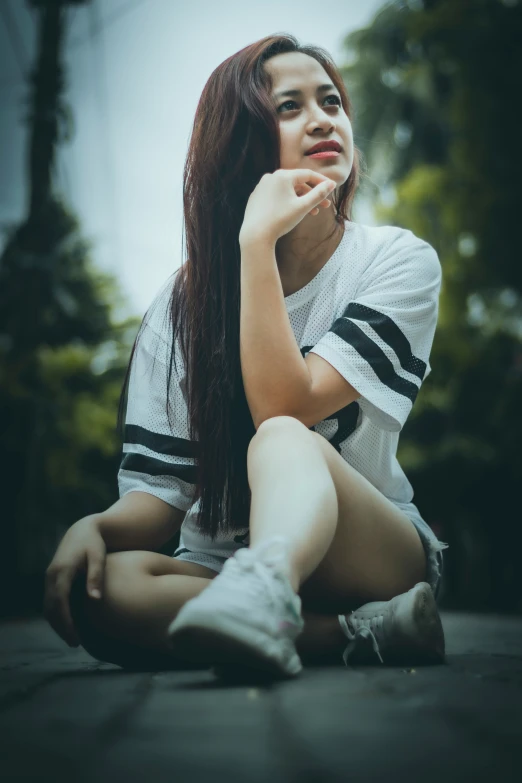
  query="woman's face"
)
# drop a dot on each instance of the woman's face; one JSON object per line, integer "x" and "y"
{"x": 314, "y": 114}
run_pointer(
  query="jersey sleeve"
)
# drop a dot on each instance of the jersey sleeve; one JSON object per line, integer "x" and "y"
{"x": 158, "y": 456}
{"x": 382, "y": 341}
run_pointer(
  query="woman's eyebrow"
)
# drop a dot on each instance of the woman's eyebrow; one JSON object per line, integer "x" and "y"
{"x": 322, "y": 88}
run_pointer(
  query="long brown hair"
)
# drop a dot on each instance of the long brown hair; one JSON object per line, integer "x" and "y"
{"x": 235, "y": 140}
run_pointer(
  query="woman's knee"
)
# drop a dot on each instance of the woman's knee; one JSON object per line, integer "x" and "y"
{"x": 103, "y": 623}
{"x": 278, "y": 425}
{"x": 286, "y": 427}
{"x": 121, "y": 572}
{"x": 96, "y": 619}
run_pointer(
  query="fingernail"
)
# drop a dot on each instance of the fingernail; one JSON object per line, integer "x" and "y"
{"x": 95, "y": 593}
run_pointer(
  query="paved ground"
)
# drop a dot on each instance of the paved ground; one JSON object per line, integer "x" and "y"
{"x": 65, "y": 716}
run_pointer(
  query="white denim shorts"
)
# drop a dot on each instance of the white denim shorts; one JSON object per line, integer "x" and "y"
{"x": 432, "y": 547}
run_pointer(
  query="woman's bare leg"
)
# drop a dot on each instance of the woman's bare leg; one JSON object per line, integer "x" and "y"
{"x": 144, "y": 591}
{"x": 348, "y": 543}
{"x": 322, "y": 638}
{"x": 293, "y": 494}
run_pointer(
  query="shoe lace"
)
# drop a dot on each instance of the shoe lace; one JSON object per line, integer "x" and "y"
{"x": 255, "y": 561}
{"x": 361, "y": 628}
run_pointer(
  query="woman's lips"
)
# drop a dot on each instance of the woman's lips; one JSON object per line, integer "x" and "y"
{"x": 324, "y": 154}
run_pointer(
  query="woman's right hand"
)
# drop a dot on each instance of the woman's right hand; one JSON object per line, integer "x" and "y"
{"x": 81, "y": 549}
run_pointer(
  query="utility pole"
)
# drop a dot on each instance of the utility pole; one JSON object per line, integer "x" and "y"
{"x": 47, "y": 109}
{"x": 28, "y": 299}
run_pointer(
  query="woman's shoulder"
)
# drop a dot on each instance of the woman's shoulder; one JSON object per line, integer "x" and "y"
{"x": 387, "y": 235}
{"x": 157, "y": 316}
{"x": 380, "y": 248}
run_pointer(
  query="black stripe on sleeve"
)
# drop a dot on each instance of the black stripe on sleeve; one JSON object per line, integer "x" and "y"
{"x": 142, "y": 463}
{"x": 376, "y": 358}
{"x": 160, "y": 443}
{"x": 391, "y": 334}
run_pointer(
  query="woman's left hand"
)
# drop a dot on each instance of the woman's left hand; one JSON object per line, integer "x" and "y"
{"x": 275, "y": 208}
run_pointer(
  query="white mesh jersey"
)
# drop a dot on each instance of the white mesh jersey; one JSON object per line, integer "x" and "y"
{"x": 371, "y": 312}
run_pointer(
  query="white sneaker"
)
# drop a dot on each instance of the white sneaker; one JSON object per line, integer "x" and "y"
{"x": 249, "y": 615}
{"x": 406, "y": 629}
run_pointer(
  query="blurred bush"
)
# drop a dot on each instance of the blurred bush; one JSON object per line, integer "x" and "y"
{"x": 62, "y": 363}
{"x": 435, "y": 86}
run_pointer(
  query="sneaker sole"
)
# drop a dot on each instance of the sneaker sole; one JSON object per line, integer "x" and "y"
{"x": 423, "y": 644}
{"x": 428, "y": 623}
{"x": 220, "y": 641}
{"x": 426, "y": 643}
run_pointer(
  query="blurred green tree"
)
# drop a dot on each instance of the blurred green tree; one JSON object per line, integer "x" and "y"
{"x": 62, "y": 358}
{"x": 62, "y": 363}
{"x": 435, "y": 88}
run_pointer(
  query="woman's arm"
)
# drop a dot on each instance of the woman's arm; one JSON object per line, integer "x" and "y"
{"x": 138, "y": 520}
{"x": 275, "y": 374}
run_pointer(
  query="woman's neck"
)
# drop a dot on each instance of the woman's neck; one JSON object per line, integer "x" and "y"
{"x": 302, "y": 253}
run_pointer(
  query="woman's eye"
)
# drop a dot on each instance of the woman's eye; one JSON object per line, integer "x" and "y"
{"x": 336, "y": 98}
{"x": 285, "y": 104}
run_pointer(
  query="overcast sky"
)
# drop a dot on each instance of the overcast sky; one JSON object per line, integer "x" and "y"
{"x": 135, "y": 72}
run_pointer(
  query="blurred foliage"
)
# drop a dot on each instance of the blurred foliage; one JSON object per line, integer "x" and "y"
{"x": 434, "y": 86}
{"x": 62, "y": 363}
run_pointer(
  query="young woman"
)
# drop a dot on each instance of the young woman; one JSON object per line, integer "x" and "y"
{"x": 271, "y": 441}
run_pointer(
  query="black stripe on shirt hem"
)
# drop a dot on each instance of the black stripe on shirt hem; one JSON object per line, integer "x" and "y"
{"x": 391, "y": 334}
